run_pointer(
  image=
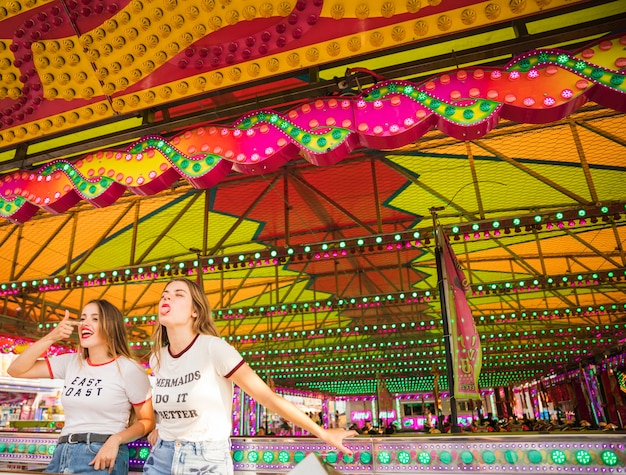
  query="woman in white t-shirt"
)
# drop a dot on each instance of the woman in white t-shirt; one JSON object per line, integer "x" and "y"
{"x": 193, "y": 391}
{"x": 103, "y": 387}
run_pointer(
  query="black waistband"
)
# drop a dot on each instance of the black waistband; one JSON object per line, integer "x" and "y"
{"x": 83, "y": 438}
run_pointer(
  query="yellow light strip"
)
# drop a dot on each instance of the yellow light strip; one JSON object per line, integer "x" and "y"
{"x": 574, "y": 18}
{"x": 7, "y": 155}
{"x": 587, "y": 39}
{"x": 89, "y": 134}
{"x": 434, "y": 72}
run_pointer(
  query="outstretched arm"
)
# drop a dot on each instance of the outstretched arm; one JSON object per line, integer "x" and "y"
{"x": 28, "y": 364}
{"x": 256, "y": 388}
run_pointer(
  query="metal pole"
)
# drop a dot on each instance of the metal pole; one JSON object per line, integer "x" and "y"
{"x": 198, "y": 266}
{"x": 442, "y": 285}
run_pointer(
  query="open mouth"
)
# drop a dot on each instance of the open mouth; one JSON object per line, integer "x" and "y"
{"x": 85, "y": 333}
{"x": 165, "y": 309}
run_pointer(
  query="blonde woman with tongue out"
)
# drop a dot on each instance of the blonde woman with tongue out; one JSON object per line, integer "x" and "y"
{"x": 195, "y": 370}
{"x": 104, "y": 389}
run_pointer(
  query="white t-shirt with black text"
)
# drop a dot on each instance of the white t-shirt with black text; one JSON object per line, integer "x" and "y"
{"x": 98, "y": 398}
{"x": 193, "y": 398}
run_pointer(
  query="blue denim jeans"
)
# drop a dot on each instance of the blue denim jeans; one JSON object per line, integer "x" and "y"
{"x": 179, "y": 457}
{"x": 75, "y": 458}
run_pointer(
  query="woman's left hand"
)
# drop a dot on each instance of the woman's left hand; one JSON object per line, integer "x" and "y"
{"x": 106, "y": 456}
{"x": 335, "y": 437}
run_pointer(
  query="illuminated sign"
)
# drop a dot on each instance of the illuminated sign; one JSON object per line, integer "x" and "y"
{"x": 361, "y": 415}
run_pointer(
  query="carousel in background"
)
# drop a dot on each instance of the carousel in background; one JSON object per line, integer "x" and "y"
{"x": 302, "y": 160}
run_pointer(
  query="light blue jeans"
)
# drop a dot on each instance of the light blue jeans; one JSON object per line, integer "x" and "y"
{"x": 75, "y": 458}
{"x": 179, "y": 457}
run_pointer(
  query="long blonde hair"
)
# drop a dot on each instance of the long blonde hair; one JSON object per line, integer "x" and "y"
{"x": 111, "y": 326}
{"x": 203, "y": 324}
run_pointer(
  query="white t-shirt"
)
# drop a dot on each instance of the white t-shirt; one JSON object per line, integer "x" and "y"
{"x": 193, "y": 398}
{"x": 98, "y": 398}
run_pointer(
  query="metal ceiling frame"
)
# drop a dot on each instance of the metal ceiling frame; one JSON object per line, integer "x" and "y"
{"x": 170, "y": 124}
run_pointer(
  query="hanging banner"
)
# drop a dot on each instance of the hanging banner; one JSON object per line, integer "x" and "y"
{"x": 464, "y": 338}
{"x": 620, "y": 375}
{"x": 386, "y": 401}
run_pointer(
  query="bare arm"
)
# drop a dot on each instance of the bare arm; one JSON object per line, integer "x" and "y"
{"x": 256, "y": 388}
{"x": 105, "y": 458}
{"x": 28, "y": 364}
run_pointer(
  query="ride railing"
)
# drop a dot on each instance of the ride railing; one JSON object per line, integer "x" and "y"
{"x": 498, "y": 452}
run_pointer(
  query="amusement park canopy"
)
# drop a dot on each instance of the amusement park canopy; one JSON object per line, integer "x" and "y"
{"x": 294, "y": 156}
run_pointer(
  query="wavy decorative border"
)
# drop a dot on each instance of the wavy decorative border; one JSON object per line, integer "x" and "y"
{"x": 541, "y": 86}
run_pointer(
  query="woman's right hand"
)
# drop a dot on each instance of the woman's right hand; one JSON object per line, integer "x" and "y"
{"x": 153, "y": 436}
{"x": 28, "y": 363}
{"x": 64, "y": 328}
